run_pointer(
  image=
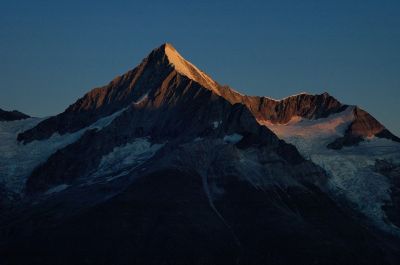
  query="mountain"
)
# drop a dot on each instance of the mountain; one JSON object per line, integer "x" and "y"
{"x": 267, "y": 110}
{"x": 12, "y": 115}
{"x": 163, "y": 68}
{"x": 362, "y": 126}
{"x": 165, "y": 166}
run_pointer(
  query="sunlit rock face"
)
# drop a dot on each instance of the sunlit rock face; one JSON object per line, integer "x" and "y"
{"x": 158, "y": 76}
{"x": 151, "y": 84}
{"x": 165, "y": 166}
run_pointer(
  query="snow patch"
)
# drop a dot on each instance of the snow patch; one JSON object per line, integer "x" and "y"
{"x": 216, "y": 124}
{"x": 123, "y": 173}
{"x": 126, "y": 157}
{"x": 56, "y": 189}
{"x": 142, "y": 98}
{"x": 310, "y": 135}
{"x": 233, "y": 138}
{"x": 105, "y": 121}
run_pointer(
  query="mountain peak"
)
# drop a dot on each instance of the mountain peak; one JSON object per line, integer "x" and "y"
{"x": 164, "y": 48}
{"x": 184, "y": 67}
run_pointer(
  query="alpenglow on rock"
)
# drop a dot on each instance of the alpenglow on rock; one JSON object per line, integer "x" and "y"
{"x": 163, "y": 165}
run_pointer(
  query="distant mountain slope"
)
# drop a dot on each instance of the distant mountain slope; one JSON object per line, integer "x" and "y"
{"x": 363, "y": 126}
{"x": 12, "y": 115}
{"x": 312, "y": 107}
{"x": 354, "y": 179}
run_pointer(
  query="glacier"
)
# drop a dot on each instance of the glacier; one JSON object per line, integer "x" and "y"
{"x": 18, "y": 160}
{"x": 351, "y": 170}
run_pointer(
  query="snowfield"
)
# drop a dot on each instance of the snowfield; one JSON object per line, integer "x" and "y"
{"x": 18, "y": 160}
{"x": 351, "y": 169}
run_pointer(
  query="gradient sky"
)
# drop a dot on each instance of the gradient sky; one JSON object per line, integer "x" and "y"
{"x": 52, "y": 52}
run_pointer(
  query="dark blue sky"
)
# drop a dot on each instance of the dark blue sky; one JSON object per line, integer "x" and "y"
{"x": 52, "y": 52}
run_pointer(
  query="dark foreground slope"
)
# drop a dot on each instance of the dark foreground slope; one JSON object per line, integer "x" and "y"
{"x": 165, "y": 218}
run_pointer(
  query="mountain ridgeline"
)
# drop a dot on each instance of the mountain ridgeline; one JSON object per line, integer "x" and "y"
{"x": 165, "y": 67}
{"x": 12, "y": 115}
{"x": 165, "y": 166}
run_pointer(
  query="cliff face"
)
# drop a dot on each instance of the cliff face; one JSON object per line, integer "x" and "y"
{"x": 303, "y": 105}
{"x": 282, "y": 111}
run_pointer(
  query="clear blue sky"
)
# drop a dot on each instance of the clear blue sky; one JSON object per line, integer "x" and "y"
{"x": 52, "y": 52}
